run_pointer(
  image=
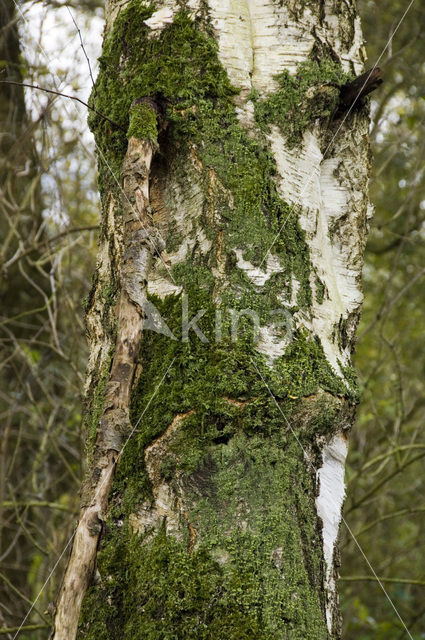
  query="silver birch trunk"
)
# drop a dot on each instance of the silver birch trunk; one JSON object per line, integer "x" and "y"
{"x": 222, "y": 319}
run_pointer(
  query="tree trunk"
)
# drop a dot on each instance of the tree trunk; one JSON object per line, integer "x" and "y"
{"x": 221, "y": 323}
{"x": 20, "y": 203}
{"x": 21, "y": 295}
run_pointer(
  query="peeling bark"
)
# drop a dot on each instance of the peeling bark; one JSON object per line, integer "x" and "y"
{"x": 114, "y": 425}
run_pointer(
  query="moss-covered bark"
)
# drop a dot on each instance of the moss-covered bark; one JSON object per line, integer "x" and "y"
{"x": 212, "y": 529}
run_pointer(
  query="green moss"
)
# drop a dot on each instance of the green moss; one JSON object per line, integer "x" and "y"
{"x": 352, "y": 378}
{"x": 143, "y": 124}
{"x": 310, "y": 95}
{"x": 182, "y": 68}
{"x": 94, "y": 411}
{"x": 109, "y": 293}
{"x": 320, "y": 290}
{"x": 305, "y": 370}
{"x": 174, "y": 239}
{"x": 85, "y": 303}
{"x": 238, "y": 463}
{"x": 254, "y": 565}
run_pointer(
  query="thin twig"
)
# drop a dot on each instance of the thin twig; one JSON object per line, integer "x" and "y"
{"x": 7, "y": 504}
{"x": 419, "y": 583}
{"x": 29, "y": 627}
{"x": 48, "y": 241}
{"x": 63, "y": 95}
{"x": 82, "y": 46}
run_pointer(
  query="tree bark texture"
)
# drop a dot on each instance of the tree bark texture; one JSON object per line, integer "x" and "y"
{"x": 238, "y": 195}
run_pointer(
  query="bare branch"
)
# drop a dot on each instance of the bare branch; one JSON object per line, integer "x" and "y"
{"x": 63, "y": 95}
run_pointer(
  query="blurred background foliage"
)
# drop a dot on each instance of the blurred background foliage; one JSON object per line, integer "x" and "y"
{"x": 48, "y": 226}
{"x": 385, "y": 505}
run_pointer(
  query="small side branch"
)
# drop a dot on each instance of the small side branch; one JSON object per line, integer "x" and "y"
{"x": 30, "y": 627}
{"x": 354, "y": 92}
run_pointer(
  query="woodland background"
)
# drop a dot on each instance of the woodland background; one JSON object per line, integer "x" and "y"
{"x": 48, "y": 225}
